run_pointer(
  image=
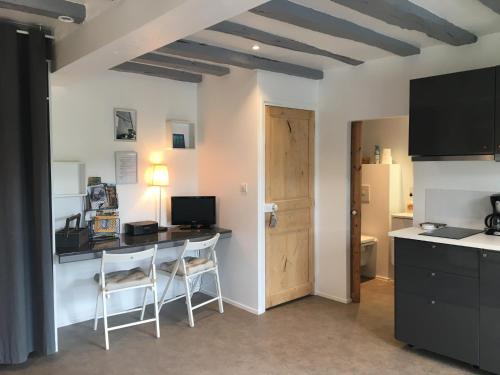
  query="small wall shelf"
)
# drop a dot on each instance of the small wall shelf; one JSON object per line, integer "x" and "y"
{"x": 180, "y": 135}
{"x": 68, "y": 179}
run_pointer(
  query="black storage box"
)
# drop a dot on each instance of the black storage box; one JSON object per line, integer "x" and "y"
{"x": 72, "y": 237}
{"x": 141, "y": 227}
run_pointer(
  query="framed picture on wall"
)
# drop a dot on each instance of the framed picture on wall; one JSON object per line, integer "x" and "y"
{"x": 125, "y": 124}
{"x": 126, "y": 167}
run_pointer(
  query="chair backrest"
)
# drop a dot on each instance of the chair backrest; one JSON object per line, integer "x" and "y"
{"x": 202, "y": 245}
{"x": 110, "y": 258}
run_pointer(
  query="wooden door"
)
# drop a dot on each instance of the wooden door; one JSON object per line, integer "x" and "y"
{"x": 289, "y": 184}
{"x": 356, "y": 128}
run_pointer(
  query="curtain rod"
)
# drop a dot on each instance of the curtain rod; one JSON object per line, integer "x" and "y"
{"x": 24, "y": 32}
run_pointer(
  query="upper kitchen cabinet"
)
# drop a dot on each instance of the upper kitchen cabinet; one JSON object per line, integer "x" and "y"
{"x": 497, "y": 113}
{"x": 453, "y": 115}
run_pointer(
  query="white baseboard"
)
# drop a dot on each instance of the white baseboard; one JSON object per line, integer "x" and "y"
{"x": 241, "y": 306}
{"x": 233, "y": 303}
{"x": 333, "y": 298}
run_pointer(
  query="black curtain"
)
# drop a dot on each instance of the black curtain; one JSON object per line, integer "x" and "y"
{"x": 26, "y": 280}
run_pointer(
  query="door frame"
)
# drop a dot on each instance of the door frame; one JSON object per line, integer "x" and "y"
{"x": 355, "y": 210}
{"x": 261, "y": 194}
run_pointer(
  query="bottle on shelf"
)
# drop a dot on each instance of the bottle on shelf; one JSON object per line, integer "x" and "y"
{"x": 409, "y": 205}
{"x": 377, "y": 154}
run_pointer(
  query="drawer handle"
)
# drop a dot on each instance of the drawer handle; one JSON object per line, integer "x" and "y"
{"x": 485, "y": 255}
{"x": 434, "y": 246}
{"x": 433, "y": 302}
{"x": 433, "y": 274}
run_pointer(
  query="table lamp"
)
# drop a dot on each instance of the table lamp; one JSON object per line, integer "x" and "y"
{"x": 159, "y": 178}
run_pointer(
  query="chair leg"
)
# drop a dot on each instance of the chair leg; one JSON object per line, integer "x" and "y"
{"x": 105, "y": 316}
{"x": 193, "y": 285}
{"x": 165, "y": 291}
{"x": 144, "y": 303}
{"x": 219, "y": 293}
{"x": 188, "y": 302}
{"x": 96, "y": 320}
{"x": 155, "y": 297}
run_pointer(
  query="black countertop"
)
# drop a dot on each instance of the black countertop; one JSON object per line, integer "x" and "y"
{"x": 172, "y": 238}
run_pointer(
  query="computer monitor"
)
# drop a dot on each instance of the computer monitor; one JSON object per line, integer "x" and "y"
{"x": 194, "y": 212}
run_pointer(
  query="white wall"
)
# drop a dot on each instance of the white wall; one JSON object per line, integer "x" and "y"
{"x": 391, "y": 133}
{"x": 374, "y": 90}
{"x": 82, "y": 130}
{"x": 385, "y": 192}
{"x": 228, "y": 156}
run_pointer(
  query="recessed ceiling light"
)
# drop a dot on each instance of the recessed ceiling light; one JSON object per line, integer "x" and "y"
{"x": 255, "y": 47}
{"x": 66, "y": 19}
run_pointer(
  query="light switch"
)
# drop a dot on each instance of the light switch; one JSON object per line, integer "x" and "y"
{"x": 244, "y": 187}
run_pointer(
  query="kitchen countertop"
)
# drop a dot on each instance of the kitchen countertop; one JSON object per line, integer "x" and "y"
{"x": 172, "y": 238}
{"x": 479, "y": 241}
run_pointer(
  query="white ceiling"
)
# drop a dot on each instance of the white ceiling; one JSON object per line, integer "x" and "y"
{"x": 467, "y": 14}
{"x": 59, "y": 29}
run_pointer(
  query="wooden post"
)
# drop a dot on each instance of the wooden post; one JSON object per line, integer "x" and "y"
{"x": 355, "y": 214}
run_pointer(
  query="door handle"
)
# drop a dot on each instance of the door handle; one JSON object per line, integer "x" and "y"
{"x": 354, "y": 212}
{"x": 270, "y": 207}
{"x": 273, "y": 220}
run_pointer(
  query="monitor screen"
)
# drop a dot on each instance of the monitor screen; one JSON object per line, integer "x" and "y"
{"x": 193, "y": 211}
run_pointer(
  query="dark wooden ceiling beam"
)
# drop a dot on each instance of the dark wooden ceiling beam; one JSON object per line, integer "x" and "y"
{"x": 494, "y": 5}
{"x": 194, "y": 50}
{"x": 164, "y": 61}
{"x": 410, "y": 16}
{"x": 298, "y": 15}
{"x": 48, "y": 8}
{"x": 156, "y": 71}
{"x": 277, "y": 41}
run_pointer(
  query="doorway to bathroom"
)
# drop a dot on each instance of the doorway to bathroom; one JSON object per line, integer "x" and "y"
{"x": 381, "y": 199}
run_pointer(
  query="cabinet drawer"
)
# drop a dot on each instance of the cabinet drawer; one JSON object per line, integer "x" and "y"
{"x": 437, "y": 326}
{"x": 436, "y": 256}
{"x": 437, "y": 285}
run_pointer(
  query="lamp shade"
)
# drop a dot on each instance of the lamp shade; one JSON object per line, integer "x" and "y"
{"x": 159, "y": 175}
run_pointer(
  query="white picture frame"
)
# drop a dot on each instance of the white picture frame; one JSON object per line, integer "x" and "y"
{"x": 126, "y": 167}
{"x": 125, "y": 124}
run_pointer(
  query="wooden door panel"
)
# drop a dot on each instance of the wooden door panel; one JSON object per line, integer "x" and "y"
{"x": 291, "y": 220}
{"x": 289, "y": 184}
{"x": 289, "y": 252}
{"x": 289, "y": 158}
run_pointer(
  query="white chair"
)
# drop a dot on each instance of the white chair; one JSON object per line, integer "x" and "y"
{"x": 188, "y": 269}
{"x": 120, "y": 281}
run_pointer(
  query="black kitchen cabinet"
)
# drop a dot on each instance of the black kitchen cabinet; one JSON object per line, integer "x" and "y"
{"x": 490, "y": 311}
{"x": 454, "y": 114}
{"x": 456, "y": 260}
{"x": 437, "y": 298}
{"x": 497, "y": 112}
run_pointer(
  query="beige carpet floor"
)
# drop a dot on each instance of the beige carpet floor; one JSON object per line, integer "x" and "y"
{"x": 312, "y": 335}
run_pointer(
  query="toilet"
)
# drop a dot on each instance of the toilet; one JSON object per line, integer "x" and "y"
{"x": 367, "y": 245}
